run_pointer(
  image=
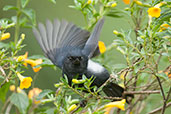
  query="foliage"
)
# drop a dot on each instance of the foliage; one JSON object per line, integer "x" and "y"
{"x": 146, "y": 49}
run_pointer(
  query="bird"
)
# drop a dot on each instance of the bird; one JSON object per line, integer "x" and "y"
{"x": 71, "y": 48}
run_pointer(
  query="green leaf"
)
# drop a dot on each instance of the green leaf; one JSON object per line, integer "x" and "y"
{"x": 4, "y": 45}
{"x": 24, "y": 3}
{"x": 3, "y": 91}
{"x": 21, "y": 101}
{"x": 53, "y": 1}
{"x": 1, "y": 77}
{"x": 163, "y": 75}
{"x": 119, "y": 66}
{"x": 30, "y": 13}
{"x": 50, "y": 111}
{"x": 9, "y": 7}
{"x": 43, "y": 94}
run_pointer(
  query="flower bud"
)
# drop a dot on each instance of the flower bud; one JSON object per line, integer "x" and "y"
{"x": 114, "y": 5}
{"x": 72, "y": 107}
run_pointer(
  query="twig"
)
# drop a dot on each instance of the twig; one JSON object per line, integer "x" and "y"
{"x": 112, "y": 98}
{"x": 8, "y": 108}
{"x": 167, "y": 98}
{"x": 142, "y": 92}
{"x": 159, "y": 109}
{"x": 162, "y": 91}
{"x": 6, "y": 79}
{"x": 5, "y": 105}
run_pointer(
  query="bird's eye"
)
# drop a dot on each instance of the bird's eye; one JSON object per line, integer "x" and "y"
{"x": 70, "y": 58}
{"x": 80, "y": 58}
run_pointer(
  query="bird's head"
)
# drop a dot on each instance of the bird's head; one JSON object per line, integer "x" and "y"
{"x": 75, "y": 64}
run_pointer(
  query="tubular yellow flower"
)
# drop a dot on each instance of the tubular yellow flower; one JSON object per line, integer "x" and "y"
{"x": 72, "y": 107}
{"x": 33, "y": 93}
{"x": 164, "y": 27}
{"x": 25, "y": 82}
{"x": 114, "y": 5}
{"x": 126, "y": 1}
{"x": 34, "y": 63}
{"x": 89, "y": 2}
{"x": 154, "y": 12}
{"x": 5, "y": 36}
{"x": 12, "y": 88}
{"x": 102, "y": 47}
{"x": 118, "y": 104}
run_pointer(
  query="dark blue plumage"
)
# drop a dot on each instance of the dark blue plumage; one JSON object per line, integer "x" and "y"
{"x": 70, "y": 48}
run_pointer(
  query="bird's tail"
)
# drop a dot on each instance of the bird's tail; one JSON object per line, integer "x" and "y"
{"x": 113, "y": 90}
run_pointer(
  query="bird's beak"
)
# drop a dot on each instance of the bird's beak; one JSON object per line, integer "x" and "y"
{"x": 76, "y": 61}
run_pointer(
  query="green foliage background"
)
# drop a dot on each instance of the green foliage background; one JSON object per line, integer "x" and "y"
{"x": 47, "y": 10}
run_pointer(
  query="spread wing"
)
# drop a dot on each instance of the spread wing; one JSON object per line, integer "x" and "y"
{"x": 91, "y": 45}
{"x": 57, "y": 38}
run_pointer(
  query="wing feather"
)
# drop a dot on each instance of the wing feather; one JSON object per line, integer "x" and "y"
{"x": 56, "y": 37}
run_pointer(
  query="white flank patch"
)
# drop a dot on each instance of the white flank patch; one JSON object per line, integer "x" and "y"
{"x": 94, "y": 67}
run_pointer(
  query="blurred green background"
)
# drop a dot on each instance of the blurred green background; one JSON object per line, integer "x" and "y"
{"x": 47, "y": 10}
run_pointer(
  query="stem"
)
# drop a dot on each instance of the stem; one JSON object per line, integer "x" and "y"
{"x": 162, "y": 91}
{"x": 5, "y": 105}
{"x": 17, "y": 27}
{"x": 9, "y": 108}
{"x": 167, "y": 98}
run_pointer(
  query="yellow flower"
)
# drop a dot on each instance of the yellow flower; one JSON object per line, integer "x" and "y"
{"x": 154, "y": 12}
{"x": 33, "y": 94}
{"x": 118, "y": 104}
{"x": 168, "y": 74}
{"x": 72, "y": 107}
{"x": 126, "y": 1}
{"x": 5, "y": 36}
{"x": 108, "y": 110}
{"x": 25, "y": 82}
{"x": 164, "y": 27}
{"x": 89, "y": 2}
{"x": 34, "y": 63}
{"x": 12, "y": 88}
{"x": 22, "y": 58}
{"x": 114, "y": 5}
{"x": 102, "y": 47}
{"x": 78, "y": 81}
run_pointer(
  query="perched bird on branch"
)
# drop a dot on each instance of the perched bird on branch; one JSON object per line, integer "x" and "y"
{"x": 71, "y": 48}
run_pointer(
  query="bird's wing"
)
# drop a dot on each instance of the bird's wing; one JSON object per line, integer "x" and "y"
{"x": 92, "y": 43}
{"x": 57, "y": 38}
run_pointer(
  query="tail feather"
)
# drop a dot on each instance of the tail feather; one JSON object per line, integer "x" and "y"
{"x": 113, "y": 90}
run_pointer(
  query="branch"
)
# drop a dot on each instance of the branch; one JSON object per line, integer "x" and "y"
{"x": 142, "y": 92}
